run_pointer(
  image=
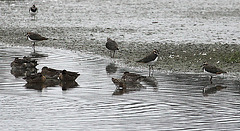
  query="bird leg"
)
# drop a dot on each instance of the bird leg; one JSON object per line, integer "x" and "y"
{"x": 113, "y": 53}
{"x": 152, "y": 70}
{"x": 33, "y": 46}
{"x": 149, "y": 70}
{"x": 211, "y": 79}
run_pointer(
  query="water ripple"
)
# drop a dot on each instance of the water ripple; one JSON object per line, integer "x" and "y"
{"x": 170, "y": 101}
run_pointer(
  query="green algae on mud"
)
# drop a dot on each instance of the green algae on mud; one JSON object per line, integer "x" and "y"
{"x": 172, "y": 57}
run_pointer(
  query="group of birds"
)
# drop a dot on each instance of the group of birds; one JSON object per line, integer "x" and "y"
{"x": 47, "y": 74}
{"x": 112, "y": 45}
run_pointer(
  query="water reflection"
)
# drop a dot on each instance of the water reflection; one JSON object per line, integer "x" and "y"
{"x": 212, "y": 89}
{"x": 111, "y": 68}
{"x": 37, "y": 55}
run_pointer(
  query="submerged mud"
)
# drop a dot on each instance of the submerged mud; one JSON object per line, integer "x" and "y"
{"x": 186, "y": 33}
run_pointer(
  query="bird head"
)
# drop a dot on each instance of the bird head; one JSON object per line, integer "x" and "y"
{"x": 155, "y": 51}
{"x": 204, "y": 64}
{"x": 28, "y": 33}
{"x": 64, "y": 72}
{"x": 109, "y": 39}
{"x": 44, "y": 68}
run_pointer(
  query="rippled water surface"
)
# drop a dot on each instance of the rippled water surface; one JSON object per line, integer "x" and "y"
{"x": 168, "y": 101}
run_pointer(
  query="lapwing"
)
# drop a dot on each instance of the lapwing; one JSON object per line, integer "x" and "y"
{"x": 151, "y": 59}
{"x": 34, "y": 37}
{"x": 212, "y": 69}
{"x": 112, "y": 46}
{"x": 33, "y": 11}
{"x": 68, "y": 76}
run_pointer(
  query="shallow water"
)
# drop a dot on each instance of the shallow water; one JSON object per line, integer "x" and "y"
{"x": 169, "y": 101}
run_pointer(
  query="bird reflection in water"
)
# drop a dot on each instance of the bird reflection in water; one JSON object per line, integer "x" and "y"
{"x": 37, "y": 55}
{"x": 111, "y": 68}
{"x": 212, "y": 89}
{"x": 132, "y": 82}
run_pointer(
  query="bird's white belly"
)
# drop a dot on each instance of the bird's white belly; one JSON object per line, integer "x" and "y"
{"x": 32, "y": 13}
{"x": 31, "y": 39}
{"x": 153, "y": 62}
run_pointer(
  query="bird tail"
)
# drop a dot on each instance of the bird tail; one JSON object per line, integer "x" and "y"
{"x": 139, "y": 61}
{"x": 45, "y": 38}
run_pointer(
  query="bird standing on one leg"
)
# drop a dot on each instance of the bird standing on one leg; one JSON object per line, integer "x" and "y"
{"x": 112, "y": 46}
{"x": 33, "y": 11}
{"x": 150, "y": 60}
{"x": 34, "y": 37}
{"x": 212, "y": 69}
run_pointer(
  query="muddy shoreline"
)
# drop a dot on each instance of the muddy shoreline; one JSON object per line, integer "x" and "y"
{"x": 187, "y": 33}
{"x": 184, "y": 57}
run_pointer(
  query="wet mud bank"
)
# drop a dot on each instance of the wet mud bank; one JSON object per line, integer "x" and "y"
{"x": 173, "y": 56}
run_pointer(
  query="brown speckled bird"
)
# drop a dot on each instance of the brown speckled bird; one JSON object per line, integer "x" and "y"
{"x": 50, "y": 73}
{"x": 68, "y": 76}
{"x": 36, "y": 78}
{"x": 112, "y": 46}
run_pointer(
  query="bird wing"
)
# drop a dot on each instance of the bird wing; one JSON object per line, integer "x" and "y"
{"x": 35, "y": 36}
{"x": 112, "y": 45}
{"x": 148, "y": 58}
{"x": 213, "y": 69}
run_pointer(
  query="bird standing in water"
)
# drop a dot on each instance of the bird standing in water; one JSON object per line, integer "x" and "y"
{"x": 34, "y": 37}
{"x": 150, "y": 59}
{"x": 212, "y": 69}
{"x": 112, "y": 46}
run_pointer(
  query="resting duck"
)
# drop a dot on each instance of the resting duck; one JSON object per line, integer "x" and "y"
{"x": 36, "y": 78}
{"x": 68, "y": 75}
{"x": 132, "y": 77}
{"x": 50, "y": 73}
{"x": 26, "y": 62}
